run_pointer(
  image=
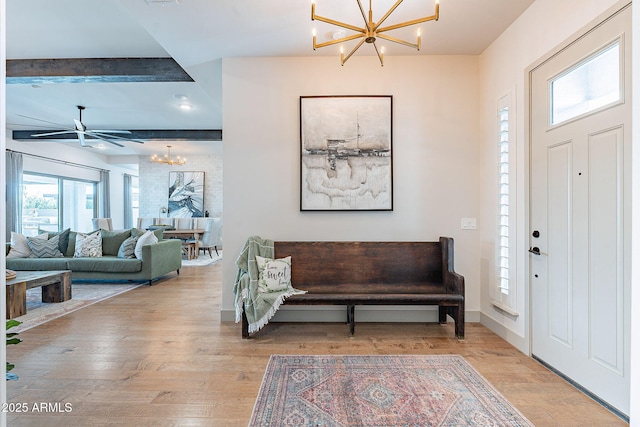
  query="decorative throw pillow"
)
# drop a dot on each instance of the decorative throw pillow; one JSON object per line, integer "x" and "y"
{"x": 63, "y": 241}
{"x": 274, "y": 274}
{"x": 112, "y": 240}
{"x": 88, "y": 245}
{"x": 42, "y": 248}
{"x": 147, "y": 238}
{"x": 128, "y": 247}
{"x": 20, "y": 247}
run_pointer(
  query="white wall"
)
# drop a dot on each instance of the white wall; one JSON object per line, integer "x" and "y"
{"x": 154, "y": 183}
{"x": 435, "y": 154}
{"x": 502, "y": 71}
{"x": 63, "y": 152}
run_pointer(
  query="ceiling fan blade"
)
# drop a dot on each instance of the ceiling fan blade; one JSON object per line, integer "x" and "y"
{"x": 106, "y": 140}
{"x": 40, "y": 120}
{"x": 119, "y": 138}
{"x": 81, "y": 139}
{"x": 110, "y": 131}
{"x": 62, "y": 132}
{"x": 79, "y": 125}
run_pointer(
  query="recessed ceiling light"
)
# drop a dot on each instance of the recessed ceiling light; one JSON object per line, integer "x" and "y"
{"x": 185, "y": 107}
{"x": 180, "y": 96}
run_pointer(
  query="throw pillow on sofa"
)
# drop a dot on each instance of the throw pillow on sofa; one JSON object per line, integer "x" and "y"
{"x": 88, "y": 245}
{"x": 128, "y": 247}
{"x": 147, "y": 238}
{"x": 42, "y": 248}
{"x": 112, "y": 240}
{"x": 20, "y": 247}
{"x": 63, "y": 241}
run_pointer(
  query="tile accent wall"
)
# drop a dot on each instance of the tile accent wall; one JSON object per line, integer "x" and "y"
{"x": 154, "y": 183}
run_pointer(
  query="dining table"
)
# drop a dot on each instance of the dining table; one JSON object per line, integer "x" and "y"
{"x": 185, "y": 234}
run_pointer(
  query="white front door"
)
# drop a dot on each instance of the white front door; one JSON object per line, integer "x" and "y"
{"x": 580, "y": 210}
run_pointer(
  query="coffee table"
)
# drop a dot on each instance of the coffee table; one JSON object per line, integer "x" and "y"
{"x": 56, "y": 287}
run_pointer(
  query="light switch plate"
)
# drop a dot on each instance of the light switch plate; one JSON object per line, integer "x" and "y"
{"x": 468, "y": 223}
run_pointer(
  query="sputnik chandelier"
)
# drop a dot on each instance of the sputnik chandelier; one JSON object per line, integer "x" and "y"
{"x": 167, "y": 158}
{"x": 371, "y": 30}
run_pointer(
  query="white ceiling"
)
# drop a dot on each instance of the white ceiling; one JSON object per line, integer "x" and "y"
{"x": 198, "y": 34}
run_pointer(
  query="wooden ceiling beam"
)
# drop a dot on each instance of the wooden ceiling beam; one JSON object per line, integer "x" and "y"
{"x": 95, "y": 70}
{"x": 142, "y": 134}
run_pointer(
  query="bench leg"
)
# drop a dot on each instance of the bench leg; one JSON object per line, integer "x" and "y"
{"x": 351, "y": 318}
{"x": 442, "y": 315}
{"x": 245, "y": 326}
{"x": 458, "y": 316}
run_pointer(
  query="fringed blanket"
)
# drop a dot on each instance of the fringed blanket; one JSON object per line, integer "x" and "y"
{"x": 259, "y": 307}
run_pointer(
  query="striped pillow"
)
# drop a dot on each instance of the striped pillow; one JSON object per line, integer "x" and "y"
{"x": 127, "y": 248}
{"x": 41, "y": 248}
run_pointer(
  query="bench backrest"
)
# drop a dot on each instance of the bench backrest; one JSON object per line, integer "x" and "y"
{"x": 330, "y": 266}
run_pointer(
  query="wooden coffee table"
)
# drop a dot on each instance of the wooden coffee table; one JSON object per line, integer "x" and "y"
{"x": 56, "y": 287}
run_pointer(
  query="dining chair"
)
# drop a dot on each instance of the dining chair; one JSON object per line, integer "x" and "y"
{"x": 102, "y": 223}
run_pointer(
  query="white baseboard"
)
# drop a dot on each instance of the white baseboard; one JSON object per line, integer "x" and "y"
{"x": 513, "y": 338}
{"x": 390, "y": 314}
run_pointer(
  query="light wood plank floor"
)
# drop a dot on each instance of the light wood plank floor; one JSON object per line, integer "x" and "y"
{"x": 159, "y": 356}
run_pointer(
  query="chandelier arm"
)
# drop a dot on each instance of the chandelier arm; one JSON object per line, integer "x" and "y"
{"x": 399, "y": 41}
{"x": 408, "y": 23}
{"x": 340, "y": 40}
{"x": 344, "y": 59}
{"x": 386, "y": 15}
{"x": 315, "y": 17}
{"x": 380, "y": 55}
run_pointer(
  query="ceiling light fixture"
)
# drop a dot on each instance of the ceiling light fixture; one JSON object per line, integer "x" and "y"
{"x": 167, "y": 158}
{"x": 185, "y": 107}
{"x": 371, "y": 30}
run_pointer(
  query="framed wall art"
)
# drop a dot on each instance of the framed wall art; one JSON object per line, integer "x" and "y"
{"x": 186, "y": 194}
{"x": 345, "y": 153}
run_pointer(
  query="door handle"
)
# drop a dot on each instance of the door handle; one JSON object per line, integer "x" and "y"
{"x": 535, "y": 250}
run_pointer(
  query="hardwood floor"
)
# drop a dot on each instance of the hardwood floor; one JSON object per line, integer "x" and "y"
{"x": 159, "y": 356}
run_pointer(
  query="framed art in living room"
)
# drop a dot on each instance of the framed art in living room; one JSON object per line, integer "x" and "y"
{"x": 186, "y": 194}
{"x": 345, "y": 153}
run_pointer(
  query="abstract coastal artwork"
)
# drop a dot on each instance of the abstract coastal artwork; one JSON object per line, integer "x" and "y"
{"x": 345, "y": 153}
{"x": 186, "y": 194}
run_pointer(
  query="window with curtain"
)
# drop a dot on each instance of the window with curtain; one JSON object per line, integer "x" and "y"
{"x": 131, "y": 198}
{"x": 53, "y": 203}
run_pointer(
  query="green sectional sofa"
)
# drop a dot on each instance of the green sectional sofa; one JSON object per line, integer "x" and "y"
{"x": 156, "y": 260}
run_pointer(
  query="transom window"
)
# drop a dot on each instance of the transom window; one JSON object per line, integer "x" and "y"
{"x": 591, "y": 85}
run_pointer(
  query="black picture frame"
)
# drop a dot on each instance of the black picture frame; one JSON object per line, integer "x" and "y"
{"x": 346, "y": 157}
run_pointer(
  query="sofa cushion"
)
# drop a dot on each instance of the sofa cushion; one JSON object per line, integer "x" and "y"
{"x": 128, "y": 247}
{"x": 41, "y": 248}
{"x": 20, "y": 247}
{"x": 88, "y": 245}
{"x": 37, "y": 263}
{"x": 105, "y": 264}
{"x": 63, "y": 240}
{"x": 147, "y": 238}
{"x": 111, "y": 240}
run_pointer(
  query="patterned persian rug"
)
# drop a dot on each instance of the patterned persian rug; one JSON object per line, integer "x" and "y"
{"x": 82, "y": 295}
{"x": 442, "y": 390}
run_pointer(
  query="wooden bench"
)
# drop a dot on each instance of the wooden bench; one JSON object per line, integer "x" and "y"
{"x": 375, "y": 273}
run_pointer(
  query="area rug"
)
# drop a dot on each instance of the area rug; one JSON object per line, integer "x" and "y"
{"x": 202, "y": 260}
{"x": 434, "y": 390}
{"x": 82, "y": 295}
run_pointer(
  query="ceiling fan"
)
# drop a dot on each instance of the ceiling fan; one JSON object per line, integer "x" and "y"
{"x": 110, "y": 136}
